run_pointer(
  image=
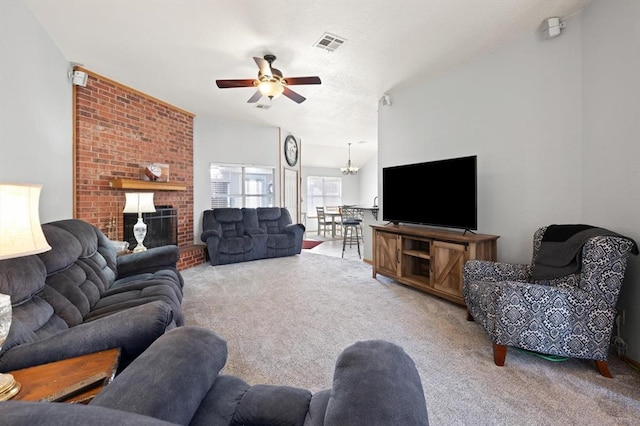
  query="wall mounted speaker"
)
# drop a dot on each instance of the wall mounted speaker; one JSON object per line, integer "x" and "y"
{"x": 79, "y": 78}
{"x": 551, "y": 27}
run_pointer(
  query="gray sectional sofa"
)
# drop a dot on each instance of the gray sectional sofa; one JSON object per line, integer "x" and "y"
{"x": 177, "y": 380}
{"x": 80, "y": 298}
{"x": 243, "y": 234}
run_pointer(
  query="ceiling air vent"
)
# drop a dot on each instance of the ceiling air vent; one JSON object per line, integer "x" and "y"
{"x": 263, "y": 106}
{"x": 330, "y": 42}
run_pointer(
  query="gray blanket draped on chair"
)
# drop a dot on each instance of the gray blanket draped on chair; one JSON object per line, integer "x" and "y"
{"x": 561, "y": 247}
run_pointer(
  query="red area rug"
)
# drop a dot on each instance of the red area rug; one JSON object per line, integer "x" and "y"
{"x": 309, "y": 244}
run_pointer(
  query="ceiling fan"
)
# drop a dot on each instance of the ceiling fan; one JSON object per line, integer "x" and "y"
{"x": 270, "y": 82}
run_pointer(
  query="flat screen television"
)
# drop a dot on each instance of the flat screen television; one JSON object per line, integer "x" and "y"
{"x": 438, "y": 193}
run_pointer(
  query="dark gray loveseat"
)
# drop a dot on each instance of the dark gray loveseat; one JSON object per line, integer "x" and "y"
{"x": 80, "y": 298}
{"x": 177, "y": 380}
{"x": 242, "y": 234}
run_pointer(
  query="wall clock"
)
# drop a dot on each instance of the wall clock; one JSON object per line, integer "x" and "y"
{"x": 291, "y": 150}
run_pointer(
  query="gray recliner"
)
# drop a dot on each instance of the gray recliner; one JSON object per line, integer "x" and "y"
{"x": 284, "y": 238}
{"x": 230, "y": 237}
{"x": 80, "y": 298}
{"x": 177, "y": 380}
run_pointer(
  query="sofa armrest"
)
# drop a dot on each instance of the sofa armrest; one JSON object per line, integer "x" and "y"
{"x": 148, "y": 261}
{"x": 486, "y": 270}
{"x": 132, "y": 330}
{"x": 208, "y": 234}
{"x": 21, "y": 413}
{"x": 376, "y": 382}
{"x": 294, "y": 229}
{"x": 171, "y": 378}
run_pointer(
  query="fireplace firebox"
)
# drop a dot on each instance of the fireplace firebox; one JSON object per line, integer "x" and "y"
{"x": 162, "y": 227}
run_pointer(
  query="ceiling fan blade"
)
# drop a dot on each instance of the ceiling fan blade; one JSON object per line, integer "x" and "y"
{"x": 255, "y": 98}
{"x": 293, "y": 95}
{"x": 264, "y": 66}
{"x": 303, "y": 80}
{"x": 226, "y": 84}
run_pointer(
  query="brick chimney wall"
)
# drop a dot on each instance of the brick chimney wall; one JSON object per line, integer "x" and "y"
{"x": 118, "y": 131}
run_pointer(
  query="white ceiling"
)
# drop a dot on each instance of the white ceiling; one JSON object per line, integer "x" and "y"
{"x": 175, "y": 50}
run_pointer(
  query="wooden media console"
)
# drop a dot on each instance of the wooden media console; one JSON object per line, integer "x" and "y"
{"x": 428, "y": 259}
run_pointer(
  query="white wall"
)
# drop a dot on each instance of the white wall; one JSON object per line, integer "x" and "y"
{"x": 518, "y": 110}
{"x": 368, "y": 179}
{"x": 555, "y": 125}
{"x": 611, "y": 123}
{"x": 226, "y": 141}
{"x": 36, "y": 136}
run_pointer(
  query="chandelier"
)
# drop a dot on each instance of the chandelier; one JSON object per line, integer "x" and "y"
{"x": 349, "y": 170}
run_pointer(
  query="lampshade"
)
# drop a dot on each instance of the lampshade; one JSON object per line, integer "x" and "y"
{"x": 271, "y": 89}
{"x": 139, "y": 202}
{"x": 20, "y": 230}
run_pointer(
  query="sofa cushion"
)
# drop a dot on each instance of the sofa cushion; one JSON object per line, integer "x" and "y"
{"x": 237, "y": 245}
{"x": 230, "y": 222}
{"x": 220, "y": 403}
{"x": 66, "y": 249}
{"x": 33, "y": 318}
{"x": 280, "y": 241}
{"x": 22, "y": 278}
{"x": 268, "y": 213}
{"x": 273, "y": 405}
{"x": 250, "y": 221}
{"x": 168, "y": 277}
{"x": 269, "y": 219}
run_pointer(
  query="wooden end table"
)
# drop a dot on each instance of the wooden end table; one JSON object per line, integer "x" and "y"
{"x": 73, "y": 380}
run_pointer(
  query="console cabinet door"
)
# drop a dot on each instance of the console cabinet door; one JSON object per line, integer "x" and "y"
{"x": 386, "y": 257}
{"x": 448, "y": 260}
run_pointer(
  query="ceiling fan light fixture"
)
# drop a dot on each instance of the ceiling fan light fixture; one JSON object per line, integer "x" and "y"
{"x": 349, "y": 170}
{"x": 270, "y": 82}
{"x": 271, "y": 89}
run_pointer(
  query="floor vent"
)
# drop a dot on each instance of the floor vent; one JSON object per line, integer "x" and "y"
{"x": 330, "y": 42}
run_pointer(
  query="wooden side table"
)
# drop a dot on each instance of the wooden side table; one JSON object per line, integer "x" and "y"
{"x": 74, "y": 380}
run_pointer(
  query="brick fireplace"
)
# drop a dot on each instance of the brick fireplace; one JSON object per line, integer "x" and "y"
{"x": 117, "y": 132}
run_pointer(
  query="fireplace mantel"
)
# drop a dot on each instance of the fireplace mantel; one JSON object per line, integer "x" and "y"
{"x": 146, "y": 184}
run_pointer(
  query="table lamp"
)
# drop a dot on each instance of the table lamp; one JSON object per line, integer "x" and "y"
{"x": 20, "y": 235}
{"x": 139, "y": 202}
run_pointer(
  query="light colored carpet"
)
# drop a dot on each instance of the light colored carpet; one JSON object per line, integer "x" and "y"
{"x": 287, "y": 319}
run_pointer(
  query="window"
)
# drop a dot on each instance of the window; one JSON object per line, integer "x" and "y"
{"x": 241, "y": 186}
{"x": 323, "y": 191}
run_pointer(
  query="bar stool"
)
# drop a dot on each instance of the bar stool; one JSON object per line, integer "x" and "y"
{"x": 351, "y": 227}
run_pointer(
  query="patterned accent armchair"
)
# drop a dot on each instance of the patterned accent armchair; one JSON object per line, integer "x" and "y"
{"x": 571, "y": 316}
